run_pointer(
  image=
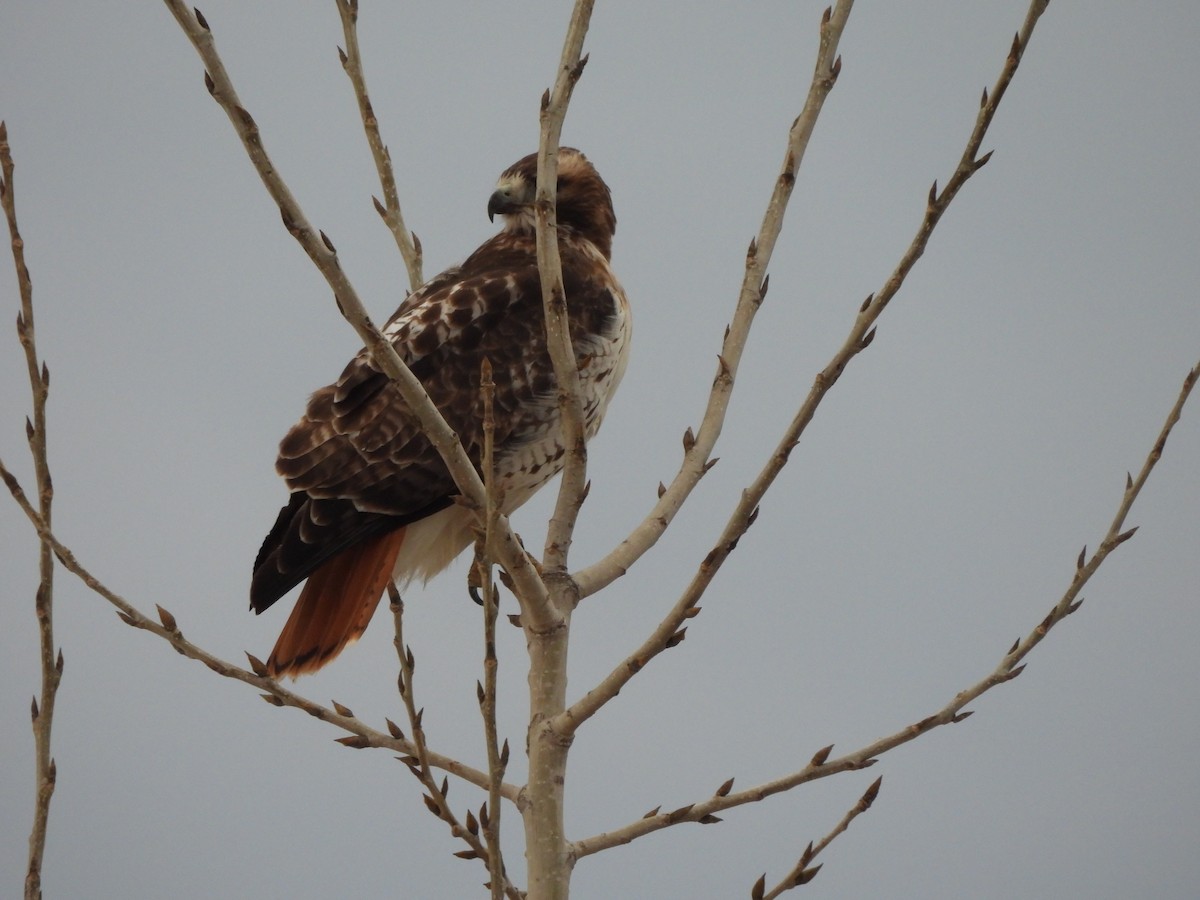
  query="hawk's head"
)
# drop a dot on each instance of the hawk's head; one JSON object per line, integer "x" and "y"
{"x": 584, "y": 201}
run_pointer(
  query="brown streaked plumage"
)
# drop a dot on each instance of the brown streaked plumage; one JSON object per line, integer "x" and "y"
{"x": 371, "y": 499}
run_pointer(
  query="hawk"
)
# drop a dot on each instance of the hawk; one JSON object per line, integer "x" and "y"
{"x": 371, "y": 499}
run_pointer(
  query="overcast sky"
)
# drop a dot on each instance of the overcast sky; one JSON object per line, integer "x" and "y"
{"x": 931, "y": 515}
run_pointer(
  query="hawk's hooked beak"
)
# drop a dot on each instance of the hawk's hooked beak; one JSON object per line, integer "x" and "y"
{"x": 501, "y": 202}
{"x": 512, "y": 194}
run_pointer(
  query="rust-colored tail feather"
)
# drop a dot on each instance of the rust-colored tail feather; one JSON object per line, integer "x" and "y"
{"x": 335, "y": 606}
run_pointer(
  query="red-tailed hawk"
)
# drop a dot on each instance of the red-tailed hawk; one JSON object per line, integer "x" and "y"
{"x": 371, "y": 499}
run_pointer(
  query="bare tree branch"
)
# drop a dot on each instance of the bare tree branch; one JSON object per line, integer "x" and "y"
{"x": 45, "y": 770}
{"x": 698, "y": 446}
{"x": 497, "y": 758}
{"x": 554, "y": 299}
{"x": 407, "y": 242}
{"x": 437, "y": 800}
{"x": 803, "y": 871}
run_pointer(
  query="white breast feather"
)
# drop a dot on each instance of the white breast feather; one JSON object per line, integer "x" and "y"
{"x": 431, "y": 544}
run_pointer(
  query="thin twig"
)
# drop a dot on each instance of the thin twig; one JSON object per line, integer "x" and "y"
{"x": 804, "y": 871}
{"x": 418, "y": 762}
{"x": 497, "y": 758}
{"x": 407, "y": 242}
{"x": 554, "y": 299}
{"x": 822, "y": 766}
{"x": 698, "y": 446}
{"x": 324, "y": 256}
{"x": 45, "y": 769}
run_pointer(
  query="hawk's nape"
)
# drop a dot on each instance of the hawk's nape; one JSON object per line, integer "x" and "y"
{"x": 371, "y": 498}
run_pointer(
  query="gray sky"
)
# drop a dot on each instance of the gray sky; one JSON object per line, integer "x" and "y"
{"x": 932, "y": 514}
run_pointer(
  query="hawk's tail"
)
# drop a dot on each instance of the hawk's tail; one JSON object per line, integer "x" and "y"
{"x": 335, "y": 606}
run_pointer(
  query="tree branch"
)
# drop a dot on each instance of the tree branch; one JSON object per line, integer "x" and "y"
{"x": 407, "y": 242}
{"x": 554, "y": 299}
{"x": 486, "y": 692}
{"x": 803, "y": 871}
{"x": 437, "y": 800}
{"x": 45, "y": 770}
{"x": 698, "y": 447}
